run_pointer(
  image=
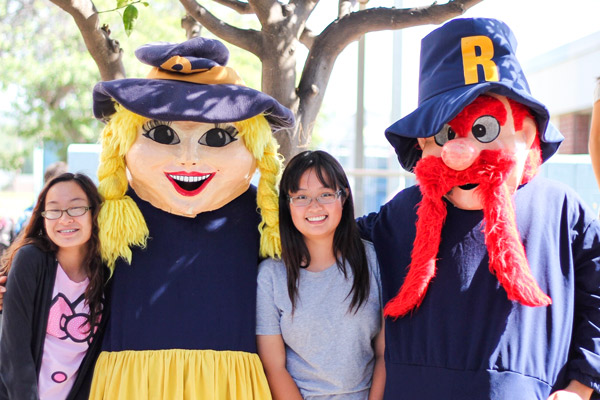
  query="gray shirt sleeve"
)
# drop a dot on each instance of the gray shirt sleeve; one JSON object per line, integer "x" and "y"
{"x": 268, "y": 314}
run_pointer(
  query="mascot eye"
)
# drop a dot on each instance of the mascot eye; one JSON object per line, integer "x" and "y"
{"x": 447, "y": 133}
{"x": 160, "y": 132}
{"x": 219, "y": 137}
{"x": 486, "y": 128}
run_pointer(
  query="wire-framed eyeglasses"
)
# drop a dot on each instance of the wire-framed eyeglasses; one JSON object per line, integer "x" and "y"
{"x": 323, "y": 198}
{"x": 71, "y": 211}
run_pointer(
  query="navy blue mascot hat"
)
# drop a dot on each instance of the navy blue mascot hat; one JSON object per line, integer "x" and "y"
{"x": 459, "y": 61}
{"x": 189, "y": 82}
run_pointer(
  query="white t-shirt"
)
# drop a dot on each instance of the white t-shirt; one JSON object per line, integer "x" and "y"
{"x": 66, "y": 340}
{"x": 329, "y": 350}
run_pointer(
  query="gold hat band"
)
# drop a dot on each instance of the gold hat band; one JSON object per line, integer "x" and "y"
{"x": 214, "y": 76}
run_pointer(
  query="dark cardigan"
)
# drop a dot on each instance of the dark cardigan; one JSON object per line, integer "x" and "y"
{"x": 25, "y": 316}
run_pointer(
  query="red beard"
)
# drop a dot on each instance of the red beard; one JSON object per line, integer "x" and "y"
{"x": 507, "y": 258}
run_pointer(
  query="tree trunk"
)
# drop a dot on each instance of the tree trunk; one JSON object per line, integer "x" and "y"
{"x": 106, "y": 52}
{"x": 279, "y": 80}
{"x": 191, "y": 27}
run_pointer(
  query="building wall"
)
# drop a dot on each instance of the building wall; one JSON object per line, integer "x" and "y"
{"x": 576, "y": 129}
{"x": 564, "y": 80}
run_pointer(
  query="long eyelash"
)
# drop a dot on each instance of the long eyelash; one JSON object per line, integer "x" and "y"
{"x": 153, "y": 123}
{"x": 229, "y": 129}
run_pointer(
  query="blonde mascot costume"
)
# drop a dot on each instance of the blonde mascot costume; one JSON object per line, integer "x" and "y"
{"x": 181, "y": 225}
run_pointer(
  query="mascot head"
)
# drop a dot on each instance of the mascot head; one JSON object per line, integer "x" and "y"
{"x": 187, "y": 139}
{"x": 476, "y": 136}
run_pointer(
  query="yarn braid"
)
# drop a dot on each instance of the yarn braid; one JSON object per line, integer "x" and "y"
{"x": 259, "y": 140}
{"x": 121, "y": 222}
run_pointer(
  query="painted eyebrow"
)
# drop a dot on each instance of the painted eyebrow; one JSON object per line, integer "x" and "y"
{"x": 227, "y": 126}
{"x": 153, "y": 123}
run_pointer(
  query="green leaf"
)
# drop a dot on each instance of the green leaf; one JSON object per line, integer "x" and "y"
{"x": 145, "y": 3}
{"x": 129, "y": 16}
{"x": 122, "y": 3}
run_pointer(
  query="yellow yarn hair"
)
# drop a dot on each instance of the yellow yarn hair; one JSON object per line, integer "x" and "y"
{"x": 121, "y": 222}
{"x": 259, "y": 140}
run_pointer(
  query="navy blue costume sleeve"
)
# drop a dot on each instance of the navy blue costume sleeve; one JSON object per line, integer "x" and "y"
{"x": 584, "y": 363}
{"x": 365, "y": 225}
{"x": 18, "y": 372}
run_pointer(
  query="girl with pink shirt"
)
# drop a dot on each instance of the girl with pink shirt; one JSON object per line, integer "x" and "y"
{"x": 53, "y": 306}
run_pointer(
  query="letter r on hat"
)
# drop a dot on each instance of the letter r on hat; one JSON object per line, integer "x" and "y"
{"x": 471, "y": 60}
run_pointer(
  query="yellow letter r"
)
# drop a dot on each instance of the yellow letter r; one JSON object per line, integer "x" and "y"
{"x": 471, "y": 60}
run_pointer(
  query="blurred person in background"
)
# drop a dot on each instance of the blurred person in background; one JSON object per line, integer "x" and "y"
{"x": 52, "y": 171}
{"x": 594, "y": 142}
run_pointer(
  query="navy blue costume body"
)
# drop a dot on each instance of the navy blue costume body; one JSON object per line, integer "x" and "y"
{"x": 194, "y": 286}
{"x": 467, "y": 340}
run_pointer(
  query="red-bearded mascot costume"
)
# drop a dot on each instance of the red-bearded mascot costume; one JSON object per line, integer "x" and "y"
{"x": 490, "y": 275}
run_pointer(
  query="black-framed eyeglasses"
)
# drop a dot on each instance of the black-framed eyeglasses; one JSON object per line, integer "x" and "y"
{"x": 323, "y": 198}
{"x": 71, "y": 211}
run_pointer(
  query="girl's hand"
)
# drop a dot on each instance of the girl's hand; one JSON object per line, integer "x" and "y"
{"x": 2, "y": 289}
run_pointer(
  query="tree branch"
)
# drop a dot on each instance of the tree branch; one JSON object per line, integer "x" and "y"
{"x": 307, "y": 38}
{"x": 106, "y": 52}
{"x": 238, "y": 6}
{"x": 191, "y": 27}
{"x": 301, "y": 9}
{"x": 356, "y": 24}
{"x": 345, "y": 7}
{"x": 328, "y": 45}
{"x": 247, "y": 39}
{"x": 268, "y": 12}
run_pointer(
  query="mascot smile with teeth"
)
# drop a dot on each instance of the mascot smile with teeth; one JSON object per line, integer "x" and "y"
{"x": 490, "y": 274}
{"x": 190, "y": 137}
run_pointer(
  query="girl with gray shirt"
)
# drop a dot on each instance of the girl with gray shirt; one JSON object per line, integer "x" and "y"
{"x": 319, "y": 322}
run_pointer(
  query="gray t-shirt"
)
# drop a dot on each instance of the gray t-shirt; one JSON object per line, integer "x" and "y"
{"x": 329, "y": 349}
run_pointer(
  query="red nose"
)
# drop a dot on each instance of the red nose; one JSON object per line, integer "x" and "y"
{"x": 459, "y": 154}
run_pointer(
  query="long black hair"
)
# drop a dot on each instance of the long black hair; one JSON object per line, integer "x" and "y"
{"x": 347, "y": 245}
{"x": 35, "y": 233}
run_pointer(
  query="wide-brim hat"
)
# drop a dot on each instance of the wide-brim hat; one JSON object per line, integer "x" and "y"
{"x": 460, "y": 61}
{"x": 189, "y": 81}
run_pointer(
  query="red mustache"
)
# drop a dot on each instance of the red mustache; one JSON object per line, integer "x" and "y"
{"x": 506, "y": 252}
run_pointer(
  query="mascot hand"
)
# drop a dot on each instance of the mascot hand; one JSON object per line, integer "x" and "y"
{"x": 575, "y": 391}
